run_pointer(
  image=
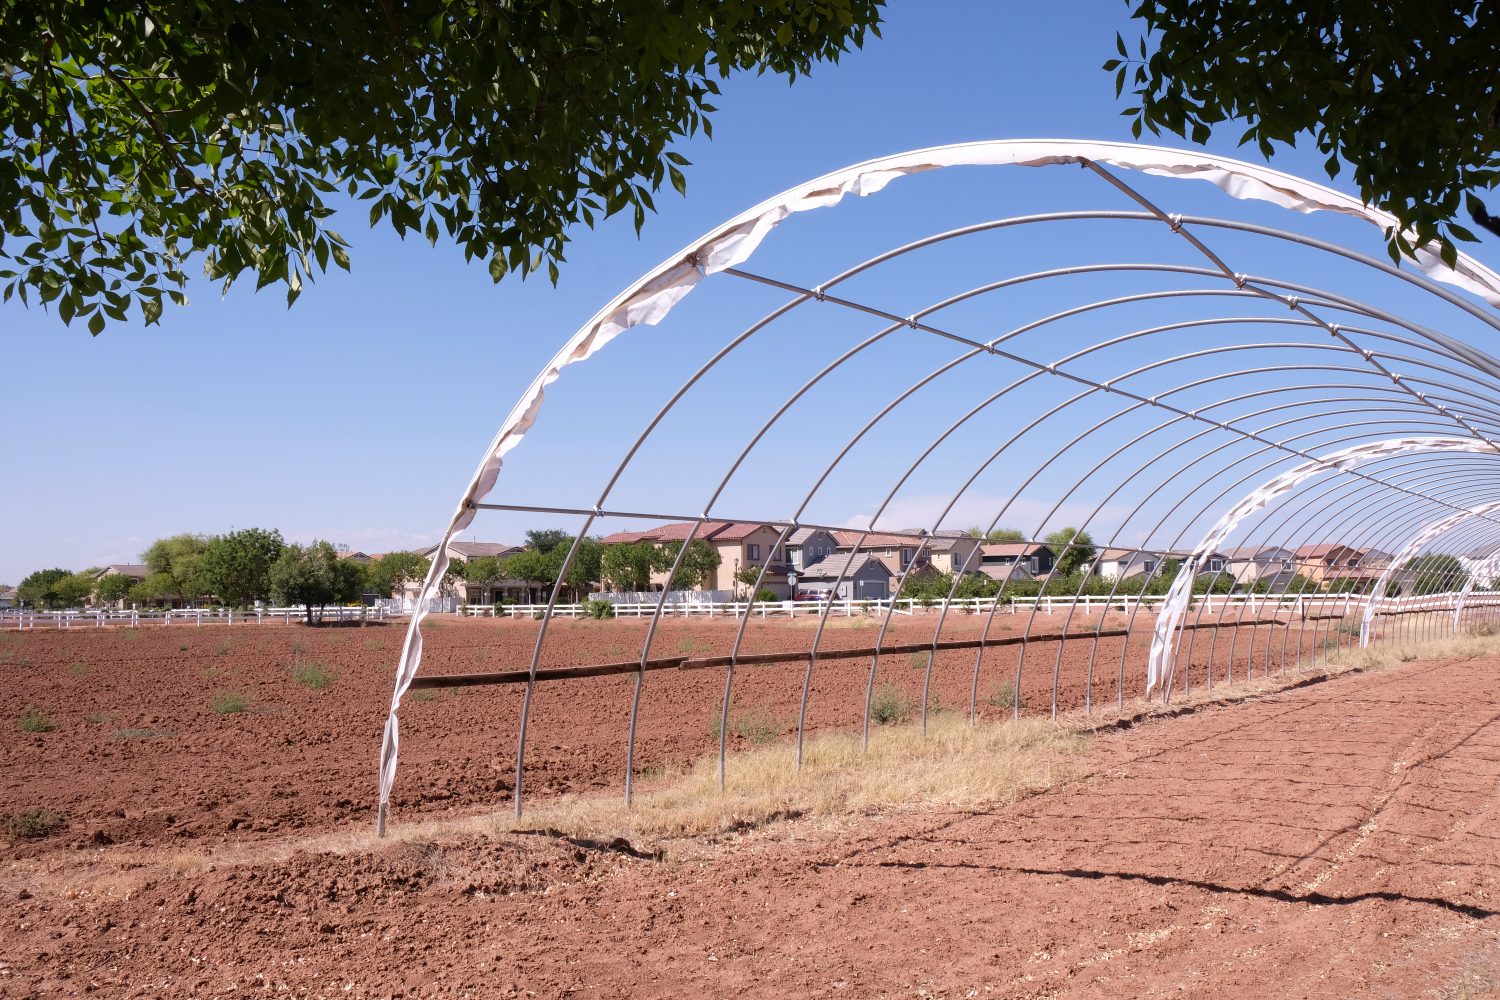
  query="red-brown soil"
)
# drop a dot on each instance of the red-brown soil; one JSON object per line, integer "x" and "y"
{"x": 139, "y": 755}
{"x": 1335, "y": 840}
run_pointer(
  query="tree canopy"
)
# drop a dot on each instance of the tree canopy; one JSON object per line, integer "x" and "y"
{"x": 236, "y": 567}
{"x": 143, "y": 138}
{"x": 40, "y": 588}
{"x": 1074, "y": 549}
{"x": 1402, "y": 92}
{"x": 313, "y": 576}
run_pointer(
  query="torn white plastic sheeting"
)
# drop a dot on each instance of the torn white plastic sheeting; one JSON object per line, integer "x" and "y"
{"x": 1486, "y": 569}
{"x": 652, "y": 297}
{"x": 1163, "y": 639}
{"x": 1417, "y": 543}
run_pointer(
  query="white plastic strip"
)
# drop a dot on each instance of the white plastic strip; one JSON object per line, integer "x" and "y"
{"x": 1416, "y": 544}
{"x": 1163, "y": 639}
{"x": 652, "y": 297}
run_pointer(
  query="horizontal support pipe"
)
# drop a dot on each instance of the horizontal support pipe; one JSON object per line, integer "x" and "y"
{"x": 756, "y": 659}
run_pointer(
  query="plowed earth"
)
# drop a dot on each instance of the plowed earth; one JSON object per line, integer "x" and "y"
{"x": 140, "y": 755}
{"x": 1334, "y": 840}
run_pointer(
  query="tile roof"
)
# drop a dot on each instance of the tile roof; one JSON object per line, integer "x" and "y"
{"x": 136, "y": 571}
{"x": 842, "y": 564}
{"x": 1014, "y": 550}
{"x": 472, "y": 550}
{"x": 847, "y": 539}
{"x": 801, "y": 535}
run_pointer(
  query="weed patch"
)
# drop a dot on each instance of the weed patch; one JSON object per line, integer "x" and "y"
{"x": 890, "y": 705}
{"x": 31, "y": 824}
{"x": 756, "y": 726}
{"x": 313, "y": 675}
{"x": 1003, "y": 696}
{"x": 78, "y": 669}
{"x": 230, "y": 702}
{"x": 423, "y": 694}
{"x": 34, "y": 720}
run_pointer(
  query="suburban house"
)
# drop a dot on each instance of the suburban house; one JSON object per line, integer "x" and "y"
{"x": 1252, "y": 564}
{"x": 1124, "y": 564}
{"x": 1341, "y": 567}
{"x": 806, "y": 546}
{"x": 133, "y": 571}
{"x": 363, "y": 558}
{"x": 1015, "y": 560}
{"x": 740, "y": 545}
{"x": 843, "y": 575}
{"x": 897, "y": 552}
{"x": 460, "y": 553}
{"x": 954, "y": 551}
{"x": 9, "y": 597}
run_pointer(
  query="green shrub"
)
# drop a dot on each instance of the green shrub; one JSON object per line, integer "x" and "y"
{"x": 889, "y": 705}
{"x": 599, "y": 609}
{"x": 298, "y": 648}
{"x": 230, "y": 702}
{"x": 763, "y": 595}
{"x": 312, "y": 675}
{"x": 920, "y": 660}
{"x": 30, "y": 824}
{"x": 182, "y": 647}
{"x": 34, "y": 720}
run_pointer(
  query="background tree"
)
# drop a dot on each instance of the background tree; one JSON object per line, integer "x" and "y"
{"x": 39, "y": 590}
{"x": 180, "y": 559}
{"x": 1434, "y": 574}
{"x": 996, "y": 536}
{"x": 628, "y": 566}
{"x": 544, "y": 540}
{"x": 236, "y": 567}
{"x": 74, "y": 589}
{"x": 586, "y": 569}
{"x": 394, "y": 570}
{"x": 140, "y": 136}
{"x": 312, "y": 576}
{"x": 698, "y": 562}
{"x": 482, "y": 572}
{"x": 1074, "y": 550}
{"x": 539, "y": 569}
{"x": 1394, "y": 89}
{"x": 747, "y": 575}
{"x": 113, "y": 588}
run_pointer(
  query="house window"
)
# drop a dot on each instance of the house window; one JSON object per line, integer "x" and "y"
{"x": 905, "y": 558}
{"x": 890, "y": 552}
{"x": 1035, "y": 567}
{"x": 752, "y": 552}
{"x": 1215, "y": 565}
{"x": 1149, "y": 565}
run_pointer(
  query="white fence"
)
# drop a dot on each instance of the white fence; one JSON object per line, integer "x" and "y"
{"x": 27, "y": 619}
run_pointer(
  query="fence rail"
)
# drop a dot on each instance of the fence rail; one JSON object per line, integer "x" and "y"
{"x": 1251, "y": 603}
{"x": 21, "y": 619}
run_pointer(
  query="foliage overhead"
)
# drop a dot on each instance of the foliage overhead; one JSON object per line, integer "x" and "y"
{"x": 1402, "y": 92}
{"x": 141, "y": 137}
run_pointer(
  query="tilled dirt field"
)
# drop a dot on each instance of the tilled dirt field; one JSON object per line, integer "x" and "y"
{"x": 1334, "y": 840}
{"x": 138, "y": 753}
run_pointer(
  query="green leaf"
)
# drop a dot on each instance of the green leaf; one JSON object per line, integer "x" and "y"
{"x": 96, "y": 323}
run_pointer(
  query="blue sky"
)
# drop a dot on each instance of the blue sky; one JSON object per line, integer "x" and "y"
{"x": 358, "y": 415}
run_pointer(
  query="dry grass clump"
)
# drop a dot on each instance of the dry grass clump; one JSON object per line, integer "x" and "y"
{"x": 956, "y": 765}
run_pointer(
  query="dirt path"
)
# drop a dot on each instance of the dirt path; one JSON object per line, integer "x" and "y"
{"x": 1338, "y": 840}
